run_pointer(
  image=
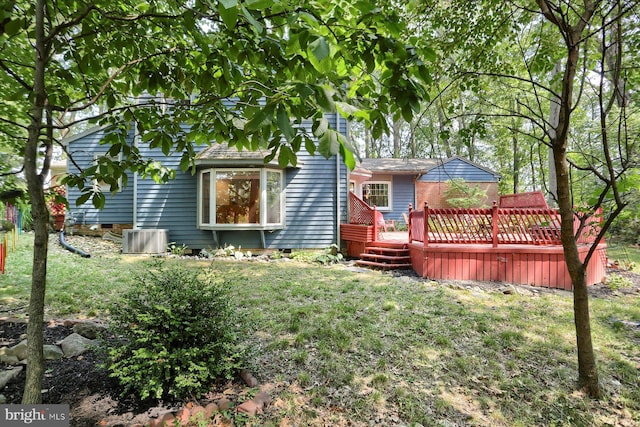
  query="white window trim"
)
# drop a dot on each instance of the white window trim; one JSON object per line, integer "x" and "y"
{"x": 263, "y": 225}
{"x": 390, "y": 194}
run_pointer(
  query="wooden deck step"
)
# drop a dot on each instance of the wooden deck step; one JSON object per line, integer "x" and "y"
{"x": 378, "y": 249}
{"x": 386, "y": 255}
{"x": 383, "y": 244}
{"x": 390, "y": 258}
{"x": 383, "y": 265}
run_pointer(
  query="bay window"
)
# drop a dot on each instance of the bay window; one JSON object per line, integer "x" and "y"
{"x": 249, "y": 198}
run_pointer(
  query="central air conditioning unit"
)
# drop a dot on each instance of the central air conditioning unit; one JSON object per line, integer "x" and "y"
{"x": 145, "y": 241}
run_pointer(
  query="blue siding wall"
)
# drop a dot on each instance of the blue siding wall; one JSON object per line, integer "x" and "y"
{"x": 311, "y": 201}
{"x": 403, "y": 194}
{"x": 119, "y": 207}
{"x": 458, "y": 168}
{"x": 171, "y": 206}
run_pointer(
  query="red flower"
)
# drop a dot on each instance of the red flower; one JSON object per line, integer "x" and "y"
{"x": 56, "y": 198}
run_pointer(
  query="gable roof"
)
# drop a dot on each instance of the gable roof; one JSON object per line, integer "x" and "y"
{"x": 398, "y": 166}
{"x": 458, "y": 167}
{"x": 469, "y": 162}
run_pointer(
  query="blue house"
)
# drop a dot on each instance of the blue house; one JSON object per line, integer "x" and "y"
{"x": 234, "y": 198}
{"x": 392, "y": 184}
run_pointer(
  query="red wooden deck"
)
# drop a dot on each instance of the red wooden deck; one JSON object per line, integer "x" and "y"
{"x": 513, "y": 245}
{"x": 542, "y": 266}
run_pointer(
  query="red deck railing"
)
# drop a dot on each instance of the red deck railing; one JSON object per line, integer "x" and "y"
{"x": 495, "y": 226}
{"x": 361, "y": 213}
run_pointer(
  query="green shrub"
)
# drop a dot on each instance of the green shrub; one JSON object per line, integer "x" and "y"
{"x": 174, "y": 249}
{"x": 329, "y": 255}
{"x": 177, "y": 333}
{"x": 616, "y": 281}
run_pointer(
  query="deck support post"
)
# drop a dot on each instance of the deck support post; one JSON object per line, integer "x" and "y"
{"x": 426, "y": 225}
{"x": 409, "y": 225}
{"x": 375, "y": 223}
{"x": 494, "y": 224}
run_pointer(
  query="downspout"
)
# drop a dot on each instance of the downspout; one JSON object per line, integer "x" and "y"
{"x": 338, "y": 188}
{"x": 136, "y": 135}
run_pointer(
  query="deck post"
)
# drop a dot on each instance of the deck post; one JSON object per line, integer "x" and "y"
{"x": 375, "y": 224}
{"x": 409, "y": 225}
{"x": 425, "y": 237}
{"x": 494, "y": 224}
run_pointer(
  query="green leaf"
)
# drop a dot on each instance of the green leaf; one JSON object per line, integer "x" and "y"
{"x": 13, "y": 26}
{"x": 98, "y": 200}
{"x": 258, "y": 4}
{"x": 346, "y": 109}
{"x": 348, "y": 157}
{"x": 228, "y": 10}
{"x": 318, "y": 52}
{"x": 320, "y": 48}
{"x": 256, "y": 25}
{"x": 83, "y": 199}
{"x": 321, "y": 126}
{"x": 263, "y": 117}
{"x": 324, "y": 98}
{"x": 328, "y": 144}
{"x": 286, "y": 157}
{"x": 310, "y": 146}
{"x": 285, "y": 124}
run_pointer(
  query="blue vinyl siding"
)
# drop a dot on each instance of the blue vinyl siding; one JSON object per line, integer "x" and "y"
{"x": 310, "y": 192}
{"x": 458, "y": 168}
{"x": 119, "y": 206}
{"x": 403, "y": 194}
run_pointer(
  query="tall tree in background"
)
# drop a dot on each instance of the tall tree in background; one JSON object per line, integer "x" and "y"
{"x": 578, "y": 56}
{"x": 105, "y": 61}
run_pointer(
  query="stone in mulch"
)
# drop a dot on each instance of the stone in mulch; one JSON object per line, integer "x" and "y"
{"x": 75, "y": 344}
{"x": 17, "y": 355}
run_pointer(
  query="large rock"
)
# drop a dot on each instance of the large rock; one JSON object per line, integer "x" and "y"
{"x": 75, "y": 345}
{"x": 7, "y": 356}
{"x": 89, "y": 329}
{"x": 19, "y": 350}
{"x": 9, "y": 374}
{"x": 52, "y": 352}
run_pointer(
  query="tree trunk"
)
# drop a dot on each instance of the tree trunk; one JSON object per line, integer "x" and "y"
{"x": 516, "y": 158}
{"x": 397, "y": 140}
{"x": 554, "y": 118}
{"x": 35, "y": 360}
{"x": 572, "y": 35}
{"x": 412, "y": 144}
{"x": 441, "y": 128}
{"x": 587, "y": 368}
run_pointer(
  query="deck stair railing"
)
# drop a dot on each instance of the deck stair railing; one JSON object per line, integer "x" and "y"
{"x": 528, "y": 226}
{"x": 361, "y": 213}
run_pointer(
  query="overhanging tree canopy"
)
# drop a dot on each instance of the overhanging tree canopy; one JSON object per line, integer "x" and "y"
{"x": 66, "y": 63}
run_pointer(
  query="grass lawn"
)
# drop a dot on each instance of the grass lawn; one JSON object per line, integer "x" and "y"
{"x": 344, "y": 346}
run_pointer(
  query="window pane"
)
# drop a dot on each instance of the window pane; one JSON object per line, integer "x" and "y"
{"x": 205, "y": 198}
{"x": 238, "y": 197}
{"x": 274, "y": 188}
{"x": 376, "y": 194}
